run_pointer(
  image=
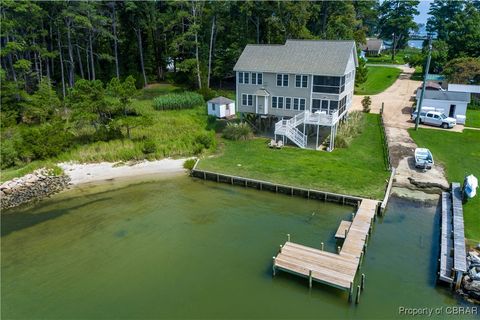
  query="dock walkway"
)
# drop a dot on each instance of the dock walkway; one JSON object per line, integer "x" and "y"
{"x": 337, "y": 270}
{"x": 453, "y": 254}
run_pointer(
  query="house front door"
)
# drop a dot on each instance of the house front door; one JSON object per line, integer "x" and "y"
{"x": 452, "y": 111}
{"x": 260, "y": 105}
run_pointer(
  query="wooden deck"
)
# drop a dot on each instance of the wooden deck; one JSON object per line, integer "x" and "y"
{"x": 342, "y": 229}
{"x": 337, "y": 270}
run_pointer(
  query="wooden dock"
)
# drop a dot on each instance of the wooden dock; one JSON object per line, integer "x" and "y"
{"x": 334, "y": 269}
{"x": 342, "y": 229}
{"x": 453, "y": 254}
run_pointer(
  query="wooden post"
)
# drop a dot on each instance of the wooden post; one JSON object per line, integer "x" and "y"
{"x": 361, "y": 260}
{"x": 280, "y": 249}
{"x": 366, "y": 238}
{"x": 357, "y": 299}
{"x": 363, "y": 281}
{"x": 231, "y": 180}
{"x": 365, "y": 248}
{"x": 338, "y": 249}
{"x": 350, "y": 292}
{"x": 309, "y": 278}
{"x": 353, "y": 215}
{"x": 322, "y": 246}
{"x": 261, "y": 186}
{"x": 288, "y": 237}
{"x": 273, "y": 267}
{"x": 218, "y": 178}
{"x": 346, "y": 233}
{"x": 204, "y": 176}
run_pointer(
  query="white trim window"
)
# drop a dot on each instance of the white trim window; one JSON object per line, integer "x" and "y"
{"x": 247, "y": 99}
{"x": 274, "y": 102}
{"x": 302, "y": 103}
{"x": 246, "y": 76}
{"x": 282, "y": 80}
{"x": 240, "y": 77}
{"x": 280, "y": 102}
{"x": 288, "y": 103}
{"x": 301, "y": 81}
{"x": 295, "y": 103}
{"x": 257, "y": 78}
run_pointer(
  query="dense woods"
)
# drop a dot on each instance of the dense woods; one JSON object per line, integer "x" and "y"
{"x": 70, "y": 69}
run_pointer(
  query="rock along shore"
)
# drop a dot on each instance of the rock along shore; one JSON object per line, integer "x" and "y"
{"x": 31, "y": 187}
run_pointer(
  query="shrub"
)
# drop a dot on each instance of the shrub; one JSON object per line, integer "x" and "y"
{"x": 8, "y": 154}
{"x": 44, "y": 141}
{"x": 149, "y": 146}
{"x": 240, "y": 131}
{"x": 204, "y": 140}
{"x": 207, "y": 93}
{"x": 366, "y": 103}
{"x": 348, "y": 130}
{"x": 173, "y": 101}
{"x": 188, "y": 164}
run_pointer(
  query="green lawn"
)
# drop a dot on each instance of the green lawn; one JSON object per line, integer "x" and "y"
{"x": 400, "y": 58}
{"x": 459, "y": 153}
{"x": 358, "y": 170}
{"x": 378, "y": 79}
{"x": 473, "y": 118}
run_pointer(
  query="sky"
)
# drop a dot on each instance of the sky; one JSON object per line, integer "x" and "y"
{"x": 423, "y": 8}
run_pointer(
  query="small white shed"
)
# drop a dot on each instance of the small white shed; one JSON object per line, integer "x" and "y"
{"x": 221, "y": 107}
{"x": 452, "y": 104}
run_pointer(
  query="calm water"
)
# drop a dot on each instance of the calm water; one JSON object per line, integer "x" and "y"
{"x": 183, "y": 248}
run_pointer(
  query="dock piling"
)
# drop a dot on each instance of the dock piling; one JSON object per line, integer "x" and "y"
{"x": 273, "y": 267}
{"x": 363, "y": 281}
{"x": 280, "y": 250}
{"x": 350, "y": 292}
{"x": 310, "y": 278}
{"x": 357, "y": 299}
{"x": 338, "y": 249}
{"x": 322, "y": 246}
{"x": 288, "y": 237}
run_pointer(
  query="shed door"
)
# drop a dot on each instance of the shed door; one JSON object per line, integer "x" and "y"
{"x": 452, "y": 111}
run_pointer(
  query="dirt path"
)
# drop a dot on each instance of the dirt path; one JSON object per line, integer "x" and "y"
{"x": 398, "y": 100}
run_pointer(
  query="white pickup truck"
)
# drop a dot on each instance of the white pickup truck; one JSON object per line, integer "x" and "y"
{"x": 435, "y": 118}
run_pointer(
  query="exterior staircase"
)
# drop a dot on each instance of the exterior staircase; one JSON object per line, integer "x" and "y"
{"x": 288, "y": 128}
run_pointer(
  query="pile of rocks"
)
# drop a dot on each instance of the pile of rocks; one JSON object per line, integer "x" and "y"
{"x": 34, "y": 186}
{"x": 471, "y": 281}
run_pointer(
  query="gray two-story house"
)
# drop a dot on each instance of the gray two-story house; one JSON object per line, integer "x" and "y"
{"x": 301, "y": 83}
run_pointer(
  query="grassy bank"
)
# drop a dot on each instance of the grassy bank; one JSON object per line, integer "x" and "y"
{"x": 172, "y": 133}
{"x": 459, "y": 154}
{"x": 358, "y": 170}
{"x": 473, "y": 118}
{"x": 378, "y": 79}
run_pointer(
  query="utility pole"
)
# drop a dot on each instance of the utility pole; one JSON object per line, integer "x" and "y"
{"x": 417, "y": 119}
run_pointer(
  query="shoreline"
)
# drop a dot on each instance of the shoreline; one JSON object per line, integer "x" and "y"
{"x": 94, "y": 173}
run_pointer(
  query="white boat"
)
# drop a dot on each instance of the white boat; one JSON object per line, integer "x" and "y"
{"x": 470, "y": 186}
{"x": 423, "y": 158}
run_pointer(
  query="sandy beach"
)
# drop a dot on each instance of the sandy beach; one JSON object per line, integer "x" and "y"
{"x": 97, "y": 172}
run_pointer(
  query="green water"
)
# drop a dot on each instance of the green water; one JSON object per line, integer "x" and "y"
{"x": 183, "y": 248}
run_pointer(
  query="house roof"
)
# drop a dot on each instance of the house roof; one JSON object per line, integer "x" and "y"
{"x": 464, "y": 88}
{"x": 373, "y": 44}
{"x": 298, "y": 56}
{"x": 431, "y": 84}
{"x": 445, "y": 95}
{"x": 220, "y": 100}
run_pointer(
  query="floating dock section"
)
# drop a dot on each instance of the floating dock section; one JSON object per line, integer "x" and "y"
{"x": 453, "y": 254}
{"x": 335, "y": 269}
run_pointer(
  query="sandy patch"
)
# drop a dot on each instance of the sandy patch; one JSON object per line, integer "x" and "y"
{"x": 97, "y": 172}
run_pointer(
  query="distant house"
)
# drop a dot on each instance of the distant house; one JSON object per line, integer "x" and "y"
{"x": 452, "y": 104}
{"x": 221, "y": 107}
{"x": 301, "y": 85}
{"x": 430, "y": 85}
{"x": 373, "y": 47}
